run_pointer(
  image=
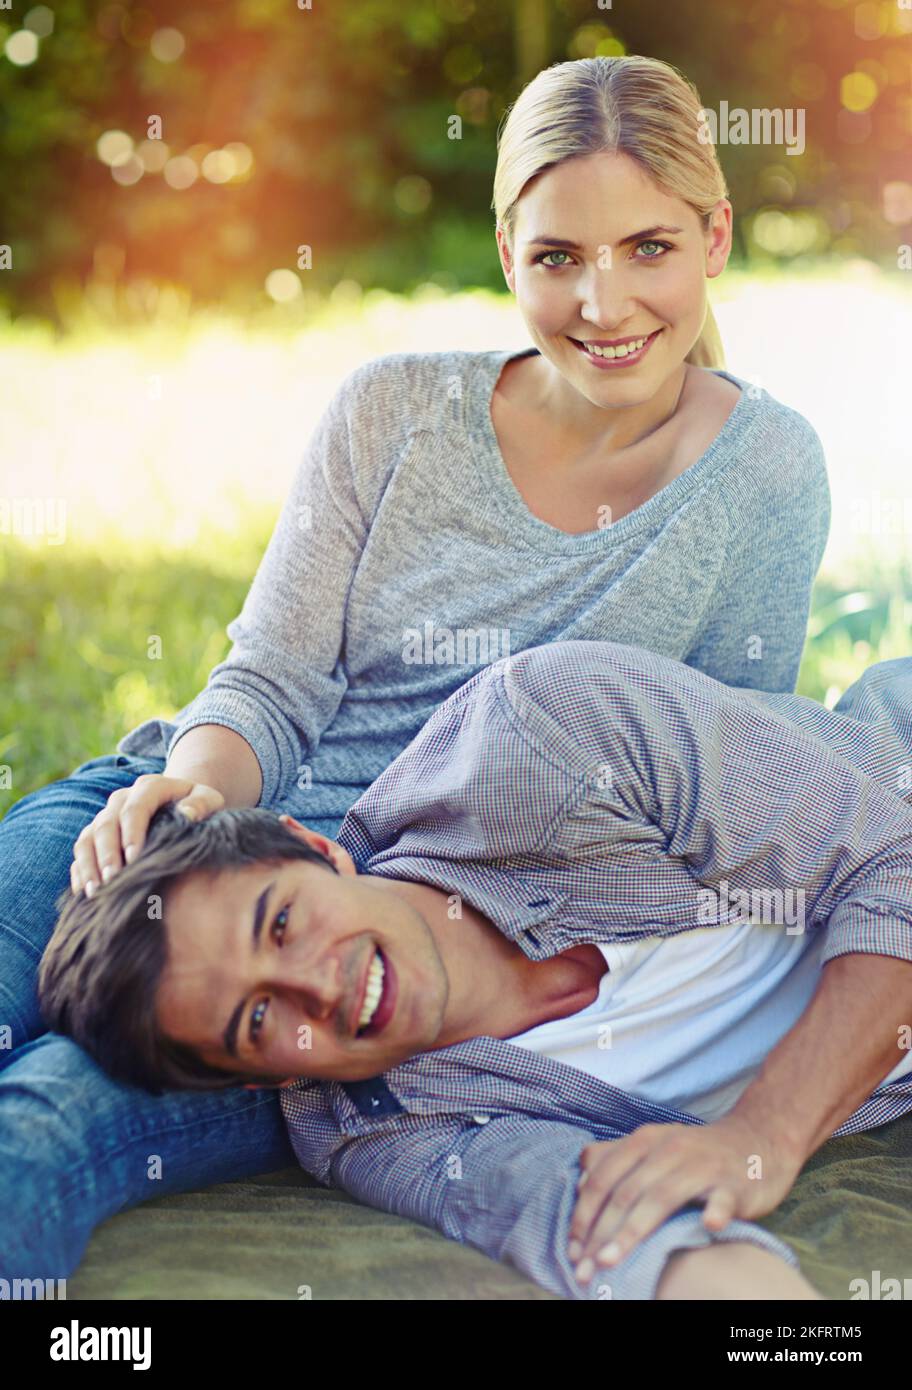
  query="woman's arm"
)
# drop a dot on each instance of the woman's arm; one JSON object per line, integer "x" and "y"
{"x": 754, "y": 630}
{"x": 282, "y": 682}
{"x": 220, "y": 758}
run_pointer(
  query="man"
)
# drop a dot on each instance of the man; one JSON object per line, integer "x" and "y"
{"x": 574, "y": 806}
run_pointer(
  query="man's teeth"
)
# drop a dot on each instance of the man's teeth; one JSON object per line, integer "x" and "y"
{"x": 373, "y": 992}
{"x": 623, "y": 350}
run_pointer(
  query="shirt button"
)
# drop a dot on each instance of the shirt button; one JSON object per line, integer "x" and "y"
{"x": 481, "y": 1119}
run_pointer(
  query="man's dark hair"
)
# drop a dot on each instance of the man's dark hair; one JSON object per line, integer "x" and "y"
{"x": 100, "y": 972}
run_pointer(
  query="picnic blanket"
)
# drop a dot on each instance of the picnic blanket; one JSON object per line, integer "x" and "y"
{"x": 283, "y": 1236}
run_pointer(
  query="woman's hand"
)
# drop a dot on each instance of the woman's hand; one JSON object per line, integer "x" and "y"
{"x": 119, "y": 830}
{"x": 629, "y": 1186}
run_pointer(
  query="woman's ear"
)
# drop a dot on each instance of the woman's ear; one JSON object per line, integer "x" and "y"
{"x": 506, "y": 258}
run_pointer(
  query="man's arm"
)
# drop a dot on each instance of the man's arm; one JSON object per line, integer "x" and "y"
{"x": 503, "y": 1183}
{"x": 852, "y": 1034}
{"x": 507, "y": 1188}
{"x": 743, "y": 1164}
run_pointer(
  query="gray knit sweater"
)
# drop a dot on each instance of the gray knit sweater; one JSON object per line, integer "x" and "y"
{"x": 405, "y": 559}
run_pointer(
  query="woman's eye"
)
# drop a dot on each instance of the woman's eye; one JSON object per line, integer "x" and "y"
{"x": 541, "y": 260}
{"x": 663, "y": 246}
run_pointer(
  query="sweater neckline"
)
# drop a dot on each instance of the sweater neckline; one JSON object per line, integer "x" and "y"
{"x": 541, "y": 535}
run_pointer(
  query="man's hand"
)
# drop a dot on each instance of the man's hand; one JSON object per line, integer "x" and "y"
{"x": 629, "y": 1186}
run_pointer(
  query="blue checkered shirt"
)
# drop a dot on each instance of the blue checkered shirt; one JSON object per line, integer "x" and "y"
{"x": 587, "y": 792}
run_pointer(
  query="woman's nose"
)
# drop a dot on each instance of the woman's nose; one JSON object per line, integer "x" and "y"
{"x": 606, "y": 301}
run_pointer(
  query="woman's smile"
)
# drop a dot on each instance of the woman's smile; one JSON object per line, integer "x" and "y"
{"x": 627, "y": 352}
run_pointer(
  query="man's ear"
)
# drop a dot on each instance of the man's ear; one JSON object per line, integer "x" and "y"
{"x": 340, "y": 859}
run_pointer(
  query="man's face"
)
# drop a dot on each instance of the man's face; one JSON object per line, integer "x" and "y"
{"x": 282, "y": 999}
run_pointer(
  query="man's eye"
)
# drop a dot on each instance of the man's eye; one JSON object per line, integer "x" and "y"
{"x": 280, "y": 924}
{"x": 256, "y": 1019}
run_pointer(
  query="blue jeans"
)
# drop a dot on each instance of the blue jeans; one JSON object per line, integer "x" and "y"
{"x": 76, "y": 1146}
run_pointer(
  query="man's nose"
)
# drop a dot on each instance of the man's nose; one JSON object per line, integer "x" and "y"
{"x": 318, "y": 980}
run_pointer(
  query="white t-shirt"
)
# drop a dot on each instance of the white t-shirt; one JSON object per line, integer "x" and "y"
{"x": 687, "y": 1020}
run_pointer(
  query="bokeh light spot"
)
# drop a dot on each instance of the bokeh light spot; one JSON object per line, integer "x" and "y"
{"x": 788, "y": 233}
{"x": 897, "y": 203}
{"x": 114, "y": 147}
{"x": 40, "y": 19}
{"x": 128, "y": 171}
{"x": 154, "y": 155}
{"x": 21, "y": 48}
{"x": 412, "y": 193}
{"x": 180, "y": 172}
{"x": 283, "y": 286}
{"x": 218, "y": 166}
{"x": 242, "y": 155}
{"x": 870, "y": 21}
{"x": 462, "y": 64}
{"x": 858, "y": 91}
{"x": 167, "y": 45}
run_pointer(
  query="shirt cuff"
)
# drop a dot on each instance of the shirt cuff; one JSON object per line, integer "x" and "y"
{"x": 868, "y": 928}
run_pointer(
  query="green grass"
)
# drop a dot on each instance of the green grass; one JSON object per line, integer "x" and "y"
{"x": 79, "y": 667}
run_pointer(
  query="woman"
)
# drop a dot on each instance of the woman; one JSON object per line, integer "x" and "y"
{"x": 453, "y": 506}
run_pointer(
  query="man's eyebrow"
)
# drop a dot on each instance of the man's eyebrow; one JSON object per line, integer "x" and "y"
{"x": 574, "y": 246}
{"x": 229, "y": 1037}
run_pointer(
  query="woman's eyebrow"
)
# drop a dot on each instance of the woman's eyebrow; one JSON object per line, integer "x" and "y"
{"x": 624, "y": 241}
{"x": 229, "y": 1037}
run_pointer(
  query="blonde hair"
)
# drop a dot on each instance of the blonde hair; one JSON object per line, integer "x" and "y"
{"x": 637, "y": 106}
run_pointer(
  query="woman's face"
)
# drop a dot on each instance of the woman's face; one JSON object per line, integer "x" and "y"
{"x": 632, "y": 265}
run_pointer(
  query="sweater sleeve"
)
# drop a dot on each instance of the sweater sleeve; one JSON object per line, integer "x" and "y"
{"x": 778, "y": 504}
{"x": 282, "y": 681}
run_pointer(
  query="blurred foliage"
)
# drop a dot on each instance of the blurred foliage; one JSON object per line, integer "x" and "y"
{"x": 347, "y": 110}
